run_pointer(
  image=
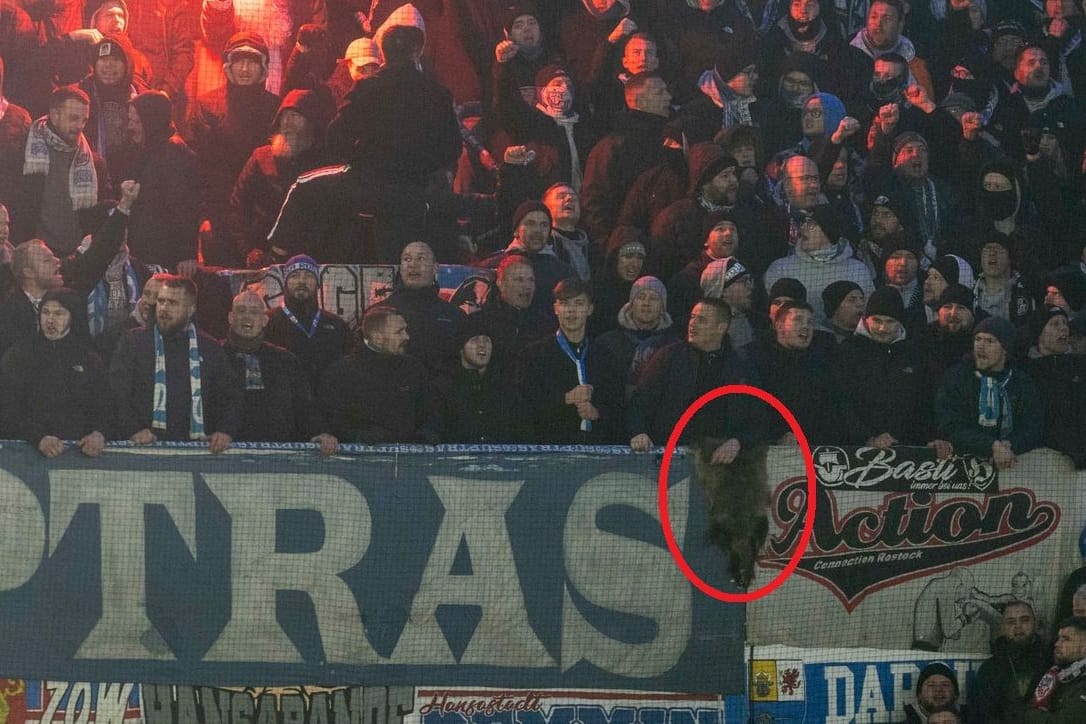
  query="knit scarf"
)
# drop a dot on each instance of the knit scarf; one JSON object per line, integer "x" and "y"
{"x": 579, "y": 361}
{"x": 904, "y": 47}
{"x": 736, "y": 110}
{"x": 82, "y": 176}
{"x": 927, "y": 209}
{"x": 98, "y": 299}
{"x": 994, "y": 404}
{"x": 158, "y": 410}
{"x": 1052, "y": 680}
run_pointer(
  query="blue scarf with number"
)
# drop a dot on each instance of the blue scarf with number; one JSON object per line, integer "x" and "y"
{"x": 158, "y": 410}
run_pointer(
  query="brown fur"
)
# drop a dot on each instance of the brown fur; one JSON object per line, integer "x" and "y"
{"x": 739, "y": 503}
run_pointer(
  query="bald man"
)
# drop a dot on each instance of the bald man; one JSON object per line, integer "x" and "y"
{"x": 279, "y": 404}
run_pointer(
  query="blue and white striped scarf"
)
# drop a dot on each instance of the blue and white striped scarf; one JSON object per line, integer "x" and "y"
{"x": 994, "y": 404}
{"x": 158, "y": 411}
{"x": 98, "y": 300}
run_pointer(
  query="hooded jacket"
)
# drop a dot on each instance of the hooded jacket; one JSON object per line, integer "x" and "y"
{"x": 817, "y": 270}
{"x": 54, "y": 387}
{"x": 166, "y": 216}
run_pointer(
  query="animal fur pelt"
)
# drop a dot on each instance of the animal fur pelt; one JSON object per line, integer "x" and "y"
{"x": 738, "y": 505}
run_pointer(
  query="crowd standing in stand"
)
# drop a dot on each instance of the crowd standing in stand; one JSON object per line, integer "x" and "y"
{"x": 879, "y": 203}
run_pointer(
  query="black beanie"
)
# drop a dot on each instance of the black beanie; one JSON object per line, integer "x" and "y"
{"x": 516, "y": 9}
{"x": 527, "y": 207}
{"x": 472, "y": 326}
{"x": 1040, "y": 319}
{"x": 791, "y": 288}
{"x": 999, "y": 328}
{"x": 885, "y": 302}
{"x": 937, "y": 668}
{"x": 835, "y": 293}
{"x": 957, "y": 294}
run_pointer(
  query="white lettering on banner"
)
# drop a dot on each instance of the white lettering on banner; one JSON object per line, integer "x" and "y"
{"x": 840, "y": 710}
{"x": 848, "y": 705}
{"x": 904, "y": 679}
{"x": 475, "y": 513}
{"x": 110, "y": 705}
{"x": 253, "y": 632}
{"x": 22, "y": 532}
{"x": 474, "y": 510}
{"x": 124, "y": 631}
{"x": 591, "y": 551}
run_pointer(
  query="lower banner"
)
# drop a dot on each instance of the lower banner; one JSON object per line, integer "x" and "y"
{"x": 911, "y": 552}
{"x": 384, "y": 568}
{"x": 536, "y": 706}
{"x": 842, "y": 686}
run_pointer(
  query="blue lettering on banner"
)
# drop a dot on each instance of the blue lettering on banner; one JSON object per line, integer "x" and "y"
{"x": 390, "y": 569}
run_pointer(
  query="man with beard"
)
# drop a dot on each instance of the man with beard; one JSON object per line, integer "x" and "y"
{"x": 1063, "y": 43}
{"x": 1000, "y": 693}
{"x": 1050, "y": 106}
{"x": 224, "y": 126}
{"x": 296, "y": 147}
{"x": 279, "y": 404}
{"x": 1059, "y": 696}
{"x": 948, "y": 340}
{"x": 61, "y": 174}
{"x": 890, "y": 215}
{"x": 432, "y": 322}
{"x": 172, "y": 382}
{"x": 936, "y": 688}
{"x": 988, "y": 408}
{"x": 166, "y": 216}
{"x": 899, "y": 166}
{"x": 51, "y": 385}
{"x": 683, "y": 371}
{"x": 881, "y": 35}
{"x": 379, "y": 394}
{"x": 315, "y": 336}
{"x": 713, "y": 185}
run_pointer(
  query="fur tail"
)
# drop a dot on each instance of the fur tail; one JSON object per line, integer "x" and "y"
{"x": 739, "y": 501}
